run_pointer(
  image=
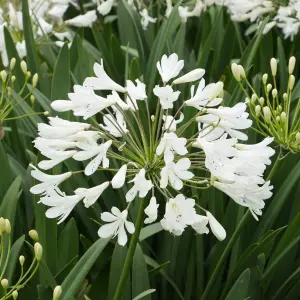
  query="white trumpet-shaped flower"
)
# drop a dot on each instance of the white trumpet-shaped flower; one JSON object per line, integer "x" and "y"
{"x": 105, "y": 7}
{"x": 216, "y": 228}
{"x": 179, "y": 213}
{"x": 90, "y": 196}
{"x": 119, "y": 179}
{"x": 98, "y": 152}
{"x": 102, "y": 81}
{"x": 85, "y": 20}
{"x": 169, "y": 67}
{"x": 146, "y": 19}
{"x": 135, "y": 92}
{"x": 117, "y": 222}
{"x": 48, "y": 182}
{"x": 151, "y": 211}
{"x": 55, "y": 158}
{"x": 116, "y": 126}
{"x": 170, "y": 144}
{"x": 170, "y": 124}
{"x": 174, "y": 173}
{"x": 141, "y": 186}
{"x": 190, "y": 77}
{"x": 166, "y": 96}
{"x": 200, "y": 224}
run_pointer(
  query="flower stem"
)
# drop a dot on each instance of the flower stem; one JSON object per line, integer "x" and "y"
{"x": 130, "y": 253}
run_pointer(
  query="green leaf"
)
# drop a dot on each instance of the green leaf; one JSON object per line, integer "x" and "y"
{"x": 140, "y": 278}
{"x": 150, "y": 230}
{"x": 143, "y": 294}
{"x": 239, "y": 290}
{"x": 74, "y": 280}
{"x": 29, "y": 39}
{"x": 61, "y": 77}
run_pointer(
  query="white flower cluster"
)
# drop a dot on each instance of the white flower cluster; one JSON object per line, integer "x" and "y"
{"x": 154, "y": 155}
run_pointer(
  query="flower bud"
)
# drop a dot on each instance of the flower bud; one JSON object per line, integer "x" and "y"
{"x": 261, "y": 101}
{"x": 46, "y": 113}
{"x": 236, "y": 72}
{"x": 4, "y": 283}
{"x": 279, "y": 108}
{"x": 291, "y": 82}
{"x": 241, "y": 71}
{"x": 283, "y": 116}
{"x": 274, "y": 93}
{"x": 152, "y": 118}
{"x": 3, "y": 75}
{"x": 273, "y": 64}
{"x": 119, "y": 179}
{"x": 21, "y": 260}
{"x": 15, "y": 294}
{"x": 216, "y": 228}
{"x": 267, "y": 114}
{"x": 298, "y": 136}
{"x": 253, "y": 98}
{"x": 34, "y": 235}
{"x": 35, "y": 79}
{"x": 24, "y": 67}
{"x": 269, "y": 87}
{"x": 38, "y": 251}
{"x": 13, "y": 78}
{"x": 12, "y": 63}
{"x": 265, "y": 78}
{"x": 57, "y": 292}
{"x": 32, "y": 99}
{"x": 7, "y": 226}
{"x": 278, "y": 119}
{"x": 191, "y": 76}
{"x": 292, "y": 63}
{"x": 257, "y": 110}
{"x": 2, "y": 225}
{"x": 285, "y": 96}
{"x": 28, "y": 74}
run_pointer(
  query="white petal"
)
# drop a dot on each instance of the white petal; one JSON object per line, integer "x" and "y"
{"x": 216, "y": 227}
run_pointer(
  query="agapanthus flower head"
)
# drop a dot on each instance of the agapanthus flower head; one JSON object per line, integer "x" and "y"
{"x": 152, "y": 158}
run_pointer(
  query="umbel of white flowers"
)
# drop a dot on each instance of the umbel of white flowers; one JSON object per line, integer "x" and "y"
{"x": 156, "y": 161}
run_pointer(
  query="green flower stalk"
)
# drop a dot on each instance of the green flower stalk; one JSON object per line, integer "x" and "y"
{"x": 275, "y": 111}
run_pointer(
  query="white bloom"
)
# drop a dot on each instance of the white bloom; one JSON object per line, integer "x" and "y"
{"x": 170, "y": 144}
{"x": 228, "y": 119}
{"x": 117, "y": 222}
{"x": 185, "y": 13}
{"x": 141, "y": 186}
{"x": 146, "y": 19}
{"x": 216, "y": 228}
{"x": 246, "y": 192}
{"x": 102, "y": 81}
{"x": 3, "y": 52}
{"x": 60, "y": 128}
{"x": 48, "y": 182}
{"x": 137, "y": 92}
{"x": 61, "y": 205}
{"x": 170, "y": 124}
{"x": 44, "y": 27}
{"x": 90, "y": 196}
{"x": 119, "y": 179}
{"x": 200, "y": 224}
{"x": 166, "y": 96}
{"x": 21, "y": 49}
{"x": 169, "y": 67}
{"x": 151, "y": 211}
{"x": 116, "y": 126}
{"x": 85, "y": 20}
{"x": 206, "y": 96}
{"x": 55, "y": 158}
{"x": 15, "y": 18}
{"x": 179, "y": 213}
{"x": 119, "y": 102}
{"x": 191, "y": 76}
{"x": 98, "y": 152}
{"x": 217, "y": 157}
{"x": 45, "y": 144}
{"x": 169, "y": 8}
{"x": 105, "y": 7}
{"x": 57, "y": 11}
{"x": 174, "y": 173}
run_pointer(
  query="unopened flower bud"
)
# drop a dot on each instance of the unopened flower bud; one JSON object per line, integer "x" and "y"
{"x": 292, "y": 63}
{"x": 24, "y": 67}
{"x": 283, "y": 116}
{"x": 46, "y": 113}
{"x": 34, "y": 235}
{"x": 267, "y": 114}
{"x": 191, "y": 76}
{"x": 15, "y": 294}
{"x": 13, "y": 78}
{"x": 279, "y": 108}
{"x": 291, "y": 82}
{"x": 298, "y": 136}
{"x": 253, "y": 98}
{"x": 57, "y": 292}
{"x": 28, "y": 74}
{"x": 236, "y": 72}
{"x": 2, "y": 225}
{"x": 241, "y": 71}
{"x": 152, "y": 118}
{"x": 269, "y": 87}
{"x": 4, "y": 283}
{"x": 273, "y": 64}
{"x": 274, "y": 93}
{"x": 38, "y": 250}
{"x": 3, "y": 75}
{"x": 35, "y": 79}
{"x": 21, "y": 260}
{"x": 285, "y": 96}
{"x": 7, "y": 226}
{"x": 12, "y": 63}
{"x": 257, "y": 110}
{"x": 32, "y": 99}
{"x": 261, "y": 101}
{"x": 278, "y": 119}
{"x": 265, "y": 78}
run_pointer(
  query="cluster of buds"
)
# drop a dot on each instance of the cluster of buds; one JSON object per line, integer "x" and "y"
{"x": 12, "y": 290}
{"x": 8, "y": 96}
{"x": 275, "y": 110}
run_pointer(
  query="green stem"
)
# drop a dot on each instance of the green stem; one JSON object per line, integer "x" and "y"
{"x": 131, "y": 251}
